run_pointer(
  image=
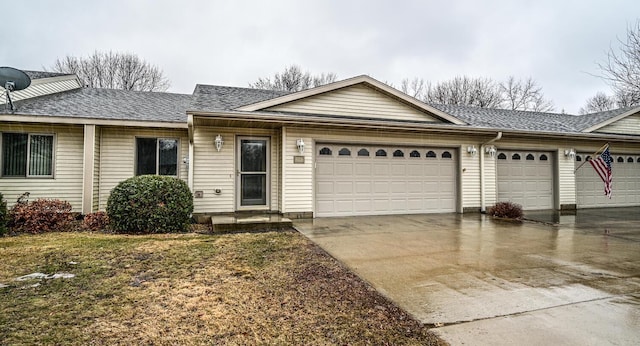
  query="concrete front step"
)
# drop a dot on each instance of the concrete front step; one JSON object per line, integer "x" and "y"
{"x": 249, "y": 223}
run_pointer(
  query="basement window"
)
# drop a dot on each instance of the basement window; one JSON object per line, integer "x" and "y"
{"x": 27, "y": 155}
{"x": 157, "y": 156}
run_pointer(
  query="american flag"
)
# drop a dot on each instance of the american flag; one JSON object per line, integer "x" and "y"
{"x": 602, "y": 165}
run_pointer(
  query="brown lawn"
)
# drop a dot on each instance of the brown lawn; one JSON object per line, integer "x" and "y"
{"x": 235, "y": 289}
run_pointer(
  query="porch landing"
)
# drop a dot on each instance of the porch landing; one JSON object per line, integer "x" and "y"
{"x": 249, "y": 223}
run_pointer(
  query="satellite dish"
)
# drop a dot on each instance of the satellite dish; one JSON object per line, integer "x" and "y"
{"x": 12, "y": 79}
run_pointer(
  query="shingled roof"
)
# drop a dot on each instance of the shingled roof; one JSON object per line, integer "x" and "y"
{"x": 208, "y": 98}
{"x": 43, "y": 74}
{"x": 113, "y": 104}
{"x": 110, "y": 104}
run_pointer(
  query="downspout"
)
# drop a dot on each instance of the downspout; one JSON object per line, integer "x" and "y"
{"x": 483, "y": 208}
{"x": 190, "y": 160}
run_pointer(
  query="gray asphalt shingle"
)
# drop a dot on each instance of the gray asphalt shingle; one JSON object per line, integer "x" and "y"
{"x": 168, "y": 107}
{"x": 110, "y": 104}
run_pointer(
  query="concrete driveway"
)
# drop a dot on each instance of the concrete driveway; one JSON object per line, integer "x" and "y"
{"x": 480, "y": 281}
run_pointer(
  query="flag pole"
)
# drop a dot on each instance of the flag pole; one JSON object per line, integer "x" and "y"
{"x": 604, "y": 147}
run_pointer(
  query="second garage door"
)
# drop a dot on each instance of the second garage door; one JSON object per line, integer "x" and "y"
{"x": 381, "y": 180}
{"x": 526, "y": 178}
{"x": 625, "y": 183}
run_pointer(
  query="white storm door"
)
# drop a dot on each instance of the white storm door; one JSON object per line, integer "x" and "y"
{"x": 252, "y": 173}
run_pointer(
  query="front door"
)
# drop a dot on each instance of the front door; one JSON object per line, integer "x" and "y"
{"x": 253, "y": 173}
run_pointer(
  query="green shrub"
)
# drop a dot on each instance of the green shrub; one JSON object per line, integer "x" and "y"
{"x": 507, "y": 210}
{"x": 97, "y": 221}
{"x": 4, "y": 215}
{"x": 41, "y": 215}
{"x": 150, "y": 204}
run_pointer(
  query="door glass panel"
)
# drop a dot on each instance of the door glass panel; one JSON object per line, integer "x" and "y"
{"x": 253, "y": 155}
{"x": 254, "y": 187}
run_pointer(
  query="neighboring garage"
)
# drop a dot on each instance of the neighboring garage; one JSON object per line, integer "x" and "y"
{"x": 379, "y": 180}
{"x": 625, "y": 183}
{"x": 526, "y": 178}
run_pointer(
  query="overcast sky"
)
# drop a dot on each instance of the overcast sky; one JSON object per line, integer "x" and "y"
{"x": 234, "y": 42}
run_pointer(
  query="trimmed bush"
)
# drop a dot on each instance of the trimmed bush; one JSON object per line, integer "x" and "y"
{"x": 97, "y": 221}
{"x": 507, "y": 210}
{"x": 41, "y": 215}
{"x": 4, "y": 215}
{"x": 150, "y": 204}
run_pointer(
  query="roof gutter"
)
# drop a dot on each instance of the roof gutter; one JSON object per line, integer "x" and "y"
{"x": 483, "y": 208}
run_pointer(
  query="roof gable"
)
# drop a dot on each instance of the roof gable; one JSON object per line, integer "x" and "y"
{"x": 624, "y": 122}
{"x": 361, "y": 96}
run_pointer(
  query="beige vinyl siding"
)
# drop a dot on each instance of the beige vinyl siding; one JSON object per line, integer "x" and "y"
{"x": 298, "y": 182}
{"x": 356, "y": 101}
{"x": 216, "y": 170}
{"x": 626, "y": 126}
{"x": 44, "y": 86}
{"x": 470, "y": 179}
{"x": 95, "y": 204}
{"x": 68, "y": 155}
{"x": 566, "y": 178}
{"x": 117, "y": 155}
{"x": 490, "y": 181}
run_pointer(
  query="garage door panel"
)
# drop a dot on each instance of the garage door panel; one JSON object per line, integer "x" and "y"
{"x": 370, "y": 185}
{"x": 527, "y": 181}
{"x": 625, "y": 185}
{"x": 363, "y": 187}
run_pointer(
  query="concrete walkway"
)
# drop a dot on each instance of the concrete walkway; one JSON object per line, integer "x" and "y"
{"x": 480, "y": 281}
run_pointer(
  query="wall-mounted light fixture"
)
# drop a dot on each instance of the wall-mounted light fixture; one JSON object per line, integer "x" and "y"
{"x": 472, "y": 150}
{"x": 570, "y": 153}
{"x": 491, "y": 151}
{"x": 300, "y": 145}
{"x": 218, "y": 142}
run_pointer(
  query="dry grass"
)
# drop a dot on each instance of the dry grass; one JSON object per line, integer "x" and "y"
{"x": 236, "y": 289}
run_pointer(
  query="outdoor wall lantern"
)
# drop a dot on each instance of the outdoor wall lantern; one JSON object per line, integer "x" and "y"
{"x": 472, "y": 150}
{"x": 300, "y": 145}
{"x": 491, "y": 150}
{"x": 570, "y": 153}
{"x": 218, "y": 142}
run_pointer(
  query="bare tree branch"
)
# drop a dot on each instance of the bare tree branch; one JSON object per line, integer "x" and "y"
{"x": 622, "y": 67}
{"x": 114, "y": 71}
{"x": 293, "y": 79}
{"x": 524, "y": 95}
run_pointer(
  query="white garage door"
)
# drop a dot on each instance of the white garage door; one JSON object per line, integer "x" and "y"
{"x": 625, "y": 184}
{"x": 526, "y": 178}
{"x": 380, "y": 180}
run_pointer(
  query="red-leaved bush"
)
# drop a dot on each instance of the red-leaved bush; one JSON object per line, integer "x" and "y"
{"x": 97, "y": 221}
{"x": 507, "y": 210}
{"x": 41, "y": 215}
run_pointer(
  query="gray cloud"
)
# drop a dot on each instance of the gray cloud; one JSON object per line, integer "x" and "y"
{"x": 233, "y": 43}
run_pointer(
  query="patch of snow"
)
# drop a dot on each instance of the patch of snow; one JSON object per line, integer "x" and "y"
{"x": 3, "y": 285}
{"x": 32, "y": 276}
{"x": 73, "y": 262}
{"x": 38, "y": 276}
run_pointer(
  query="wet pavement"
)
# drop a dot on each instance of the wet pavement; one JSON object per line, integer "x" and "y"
{"x": 568, "y": 279}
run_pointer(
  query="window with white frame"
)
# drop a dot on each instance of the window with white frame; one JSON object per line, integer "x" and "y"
{"x": 157, "y": 156}
{"x": 27, "y": 155}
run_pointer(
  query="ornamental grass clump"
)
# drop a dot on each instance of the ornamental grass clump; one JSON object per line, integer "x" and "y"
{"x": 506, "y": 210}
{"x": 150, "y": 204}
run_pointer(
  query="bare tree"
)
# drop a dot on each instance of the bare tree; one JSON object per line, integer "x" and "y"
{"x": 293, "y": 79}
{"x": 464, "y": 91}
{"x": 415, "y": 87}
{"x": 524, "y": 95}
{"x": 599, "y": 102}
{"x": 114, "y": 71}
{"x": 622, "y": 67}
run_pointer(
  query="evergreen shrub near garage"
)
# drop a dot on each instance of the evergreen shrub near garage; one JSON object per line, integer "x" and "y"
{"x": 150, "y": 204}
{"x": 507, "y": 210}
